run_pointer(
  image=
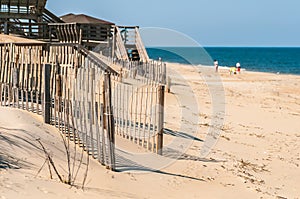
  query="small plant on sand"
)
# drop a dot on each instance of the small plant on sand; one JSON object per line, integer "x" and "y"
{"x": 72, "y": 171}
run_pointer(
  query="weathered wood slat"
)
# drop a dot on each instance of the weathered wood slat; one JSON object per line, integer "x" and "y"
{"x": 150, "y": 115}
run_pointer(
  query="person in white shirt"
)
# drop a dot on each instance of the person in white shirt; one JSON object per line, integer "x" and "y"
{"x": 216, "y": 64}
{"x": 238, "y": 67}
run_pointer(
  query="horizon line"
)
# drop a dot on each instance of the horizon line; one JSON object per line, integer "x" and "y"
{"x": 216, "y": 46}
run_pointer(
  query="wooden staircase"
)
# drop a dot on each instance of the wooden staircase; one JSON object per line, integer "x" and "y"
{"x": 129, "y": 45}
{"x": 140, "y": 46}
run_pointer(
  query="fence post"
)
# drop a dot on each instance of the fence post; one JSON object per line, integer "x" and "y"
{"x": 160, "y": 125}
{"x": 15, "y": 82}
{"x": 168, "y": 84}
{"x": 15, "y": 77}
{"x": 58, "y": 93}
{"x": 104, "y": 103}
{"x": 110, "y": 124}
{"x": 47, "y": 97}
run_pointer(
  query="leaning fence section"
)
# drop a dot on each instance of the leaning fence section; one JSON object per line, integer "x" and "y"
{"x": 138, "y": 113}
{"x": 81, "y": 106}
{"x": 138, "y": 101}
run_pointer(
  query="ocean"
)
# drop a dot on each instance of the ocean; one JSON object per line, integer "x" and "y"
{"x": 262, "y": 59}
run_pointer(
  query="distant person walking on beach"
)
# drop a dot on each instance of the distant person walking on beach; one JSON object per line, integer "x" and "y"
{"x": 216, "y": 64}
{"x": 238, "y": 67}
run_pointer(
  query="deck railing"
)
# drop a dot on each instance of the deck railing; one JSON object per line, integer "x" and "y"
{"x": 140, "y": 46}
{"x": 121, "y": 52}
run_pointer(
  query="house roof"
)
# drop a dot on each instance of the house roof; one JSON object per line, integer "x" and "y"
{"x": 81, "y": 18}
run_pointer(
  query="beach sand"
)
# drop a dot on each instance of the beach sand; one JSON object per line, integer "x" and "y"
{"x": 255, "y": 151}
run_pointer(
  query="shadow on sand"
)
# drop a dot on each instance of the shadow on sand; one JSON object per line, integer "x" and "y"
{"x": 126, "y": 165}
{"x": 181, "y": 135}
{"x": 9, "y": 140}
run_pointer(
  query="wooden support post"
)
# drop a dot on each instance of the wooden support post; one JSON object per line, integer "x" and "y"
{"x": 97, "y": 130}
{"x": 135, "y": 124}
{"x": 140, "y": 111}
{"x": 39, "y": 80}
{"x": 164, "y": 73}
{"x": 159, "y": 137}
{"x": 168, "y": 84}
{"x": 132, "y": 124}
{"x": 92, "y": 109}
{"x": 5, "y": 91}
{"x": 145, "y": 117}
{"x": 47, "y": 97}
{"x": 58, "y": 98}
{"x": 104, "y": 103}
{"x": 85, "y": 108}
{"x": 103, "y": 147}
{"x": 15, "y": 86}
{"x": 113, "y": 43}
{"x": 58, "y": 89}
{"x": 9, "y": 94}
{"x": 109, "y": 121}
{"x": 150, "y": 118}
{"x": 1, "y": 93}
{"x": 127, "y": 112}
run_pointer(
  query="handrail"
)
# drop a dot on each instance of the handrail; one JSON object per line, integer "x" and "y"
{"x": 122, "y": 54}
{"x": 140, "y": 46}
{"x": 51, "y": 17}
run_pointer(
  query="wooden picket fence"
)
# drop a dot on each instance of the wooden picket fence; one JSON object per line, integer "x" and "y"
{"x": 82, "y": 96}
{"x": 21, "y": 76}
{"x": 65, "y": 85}
{"x": 138, "y": 112}
{"x": 152, "y": 72}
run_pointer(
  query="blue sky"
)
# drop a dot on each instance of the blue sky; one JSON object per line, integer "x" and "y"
{"x": 209, "y": 22}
